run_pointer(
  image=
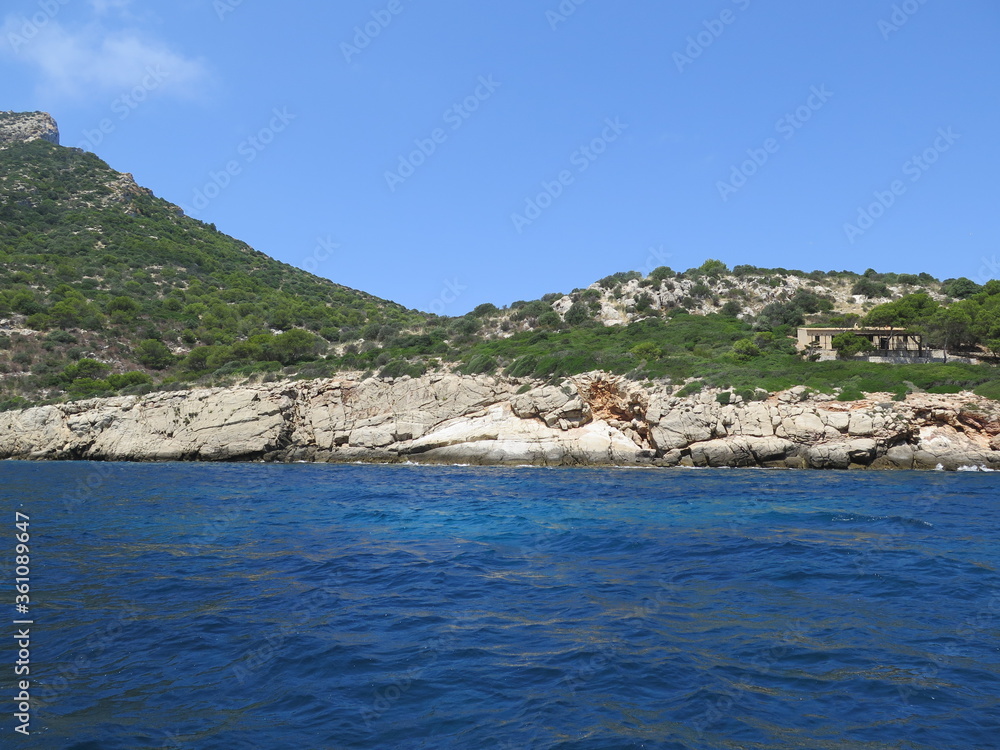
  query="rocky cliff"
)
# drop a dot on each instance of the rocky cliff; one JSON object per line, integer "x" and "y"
{"x": 593, "y": 419}
{"x": 21, "y": 127}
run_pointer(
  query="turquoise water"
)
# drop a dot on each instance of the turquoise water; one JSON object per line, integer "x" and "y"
{"x": 261, "y": 606}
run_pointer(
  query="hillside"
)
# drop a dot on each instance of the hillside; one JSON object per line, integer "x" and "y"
{"x": 95, "y": 268}
{"x": 106, "y": 289}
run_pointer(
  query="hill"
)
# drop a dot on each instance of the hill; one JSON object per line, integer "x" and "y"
{"x": 106, "y": 289}
{"x": 95, "y": 269}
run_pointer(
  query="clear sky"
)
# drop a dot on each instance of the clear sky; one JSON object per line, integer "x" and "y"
{"x": 444, "y": 154}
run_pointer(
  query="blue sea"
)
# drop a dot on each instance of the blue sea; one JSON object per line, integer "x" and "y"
{"x": 313, "y": 606}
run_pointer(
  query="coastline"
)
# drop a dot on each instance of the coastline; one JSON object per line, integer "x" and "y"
{"x": 592, "y": 420}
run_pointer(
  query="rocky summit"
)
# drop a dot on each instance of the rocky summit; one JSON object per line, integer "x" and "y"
{"x": 24, "y": 127}
{"x": 593, "y": 419}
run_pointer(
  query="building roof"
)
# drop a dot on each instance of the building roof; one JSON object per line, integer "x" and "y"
{"x": 867, "y": 329}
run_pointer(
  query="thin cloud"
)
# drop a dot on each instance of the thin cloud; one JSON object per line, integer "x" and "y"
{"x": 105, "y": 6}
{"x": 91, "y": 61}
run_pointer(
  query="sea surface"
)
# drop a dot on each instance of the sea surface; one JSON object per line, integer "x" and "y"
{"x": 312, "y": 606}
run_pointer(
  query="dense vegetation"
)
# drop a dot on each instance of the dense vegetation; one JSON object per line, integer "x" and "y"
{"x": 106, "y": 289}
{"x": 102, "y": 269}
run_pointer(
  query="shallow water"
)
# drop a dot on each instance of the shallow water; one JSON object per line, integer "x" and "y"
{"x": 262, "y": 606}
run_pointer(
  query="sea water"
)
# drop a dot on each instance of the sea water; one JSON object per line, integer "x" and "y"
{"x": 316, "y": 606}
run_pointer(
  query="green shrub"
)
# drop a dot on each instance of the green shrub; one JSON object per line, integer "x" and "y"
{"x": 89, "y": 369}
{"x": 850, "y": 394}
{"x": 88, "y": 388}
{"x": 128, "y": 379}
{"x": 579, "y": 312}
{"x": 691, "y": 388}
{"x": 867, "y": 287}
{"x": 647, "y": 350}
{"x": 990, "y": 389}
{"x": 480, "y": 364}
{"x": 746, "y": 349}
{"x": 849, "y": 344}
{"x": 154, "y": 354}
{"x": 661, "y": 273}
{"x": 485, "y": 309}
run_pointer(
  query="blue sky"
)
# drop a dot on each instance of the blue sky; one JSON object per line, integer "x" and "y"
{"x": 447, "y": 154}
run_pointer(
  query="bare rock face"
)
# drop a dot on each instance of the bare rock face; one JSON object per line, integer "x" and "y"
{"x": 593, "y": 419}
{"x": 22, "y": 127}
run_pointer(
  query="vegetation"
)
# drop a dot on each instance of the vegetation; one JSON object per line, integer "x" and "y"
{"x": 105, "y": 289}
{"x": 968, "y": 324}
{"x": 103, "y": 270}
{"x": 848, "y": 345}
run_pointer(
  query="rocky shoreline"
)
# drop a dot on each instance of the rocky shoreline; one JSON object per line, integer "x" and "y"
{"x": 590, "y": 420}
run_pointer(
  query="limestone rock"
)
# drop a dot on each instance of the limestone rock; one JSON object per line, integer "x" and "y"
{"x": 741, "y": 451}
{"x": 595, "y": 419}
{"x": 22, "y": 127}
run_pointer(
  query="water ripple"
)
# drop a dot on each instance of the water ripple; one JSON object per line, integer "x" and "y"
{"x": 230, "y": 607}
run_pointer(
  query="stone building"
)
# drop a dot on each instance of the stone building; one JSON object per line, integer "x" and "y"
{"x": 897, "y": 342}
